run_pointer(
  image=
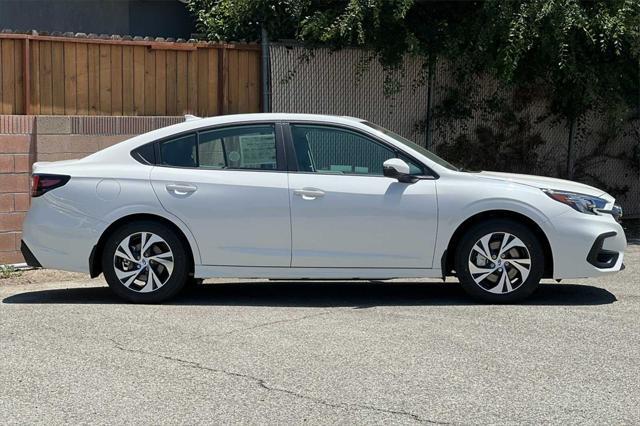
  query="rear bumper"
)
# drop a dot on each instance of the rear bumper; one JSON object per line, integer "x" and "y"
{"x": 57, "y": 237}
{"x": 29, "y": 258}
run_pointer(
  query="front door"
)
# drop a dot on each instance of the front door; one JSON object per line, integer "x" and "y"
{"x": 230, "y": 188}
{"x": 345, "y": 213}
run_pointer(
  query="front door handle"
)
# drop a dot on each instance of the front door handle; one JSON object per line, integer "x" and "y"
{"x": 309, "y": 193}
{"x": 180, "y": 189}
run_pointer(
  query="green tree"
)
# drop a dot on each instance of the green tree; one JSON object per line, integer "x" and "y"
{"x": 233, "y": 20}
{"x": 585, "y": 53}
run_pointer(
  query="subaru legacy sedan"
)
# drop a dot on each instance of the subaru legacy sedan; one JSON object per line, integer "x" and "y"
{"x": 292, "y": 196}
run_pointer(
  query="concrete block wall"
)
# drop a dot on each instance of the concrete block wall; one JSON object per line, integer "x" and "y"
{"x": 27, "y": 139}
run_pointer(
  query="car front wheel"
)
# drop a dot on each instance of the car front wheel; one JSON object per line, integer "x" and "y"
{"x": 145, "y": 262}
{"x": 499, "y": 261}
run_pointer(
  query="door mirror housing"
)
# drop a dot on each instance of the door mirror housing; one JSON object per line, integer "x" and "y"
{"x": 395, "y": 168}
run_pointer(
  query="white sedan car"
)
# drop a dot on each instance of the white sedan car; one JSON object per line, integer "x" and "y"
{"x": 294, "y": 196}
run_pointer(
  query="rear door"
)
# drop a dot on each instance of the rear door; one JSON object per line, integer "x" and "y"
{"x": 229, "y": 186}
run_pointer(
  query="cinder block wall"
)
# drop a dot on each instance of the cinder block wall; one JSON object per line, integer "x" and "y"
{"x": 17, "y": 150}
{"x": 27, "y": 139}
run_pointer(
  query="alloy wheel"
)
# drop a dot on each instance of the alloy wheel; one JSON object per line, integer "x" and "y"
{"x": 143, "y": 262}
{"x": 499, "y": 262}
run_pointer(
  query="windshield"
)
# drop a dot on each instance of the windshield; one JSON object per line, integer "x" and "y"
{"x": 422, "y": 150}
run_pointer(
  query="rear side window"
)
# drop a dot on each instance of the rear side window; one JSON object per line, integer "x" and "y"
{"x": 179, "y": 152}
{"x": 251, "y": 147}
{"x": 145, "y": 154}
{"x": 246, "y": 147}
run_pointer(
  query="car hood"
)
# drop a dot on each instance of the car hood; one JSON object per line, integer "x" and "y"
{"x": 543, "y": 182}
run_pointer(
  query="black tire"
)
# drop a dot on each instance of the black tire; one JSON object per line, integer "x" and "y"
{"x": 525, "y": 287}
{"x": 177, "y": 278}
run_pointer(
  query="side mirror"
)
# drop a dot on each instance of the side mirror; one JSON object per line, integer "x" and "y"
{"x": 395, "y": 168}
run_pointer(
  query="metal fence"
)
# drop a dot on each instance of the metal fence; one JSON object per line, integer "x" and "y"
{"x": 477, "y": 122}
{"x": 347, "y": 82}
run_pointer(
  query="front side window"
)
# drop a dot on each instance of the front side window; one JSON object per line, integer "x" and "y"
{"x": 246, "y": 147}
{"x": 325, "y": 149}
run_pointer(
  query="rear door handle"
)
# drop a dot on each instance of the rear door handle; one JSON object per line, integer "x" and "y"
{"x": 309, "y": 193}
{"x": 180, "y": 189}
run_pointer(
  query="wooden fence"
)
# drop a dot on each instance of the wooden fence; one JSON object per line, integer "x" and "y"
{"x": 81, "y": 76}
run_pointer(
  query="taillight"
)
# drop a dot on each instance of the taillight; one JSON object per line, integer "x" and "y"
{"x": 41, "y": 184}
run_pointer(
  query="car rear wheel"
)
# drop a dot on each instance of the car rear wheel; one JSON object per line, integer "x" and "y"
{"x": 145, "y": 262}
{"x": 499, "y": 261}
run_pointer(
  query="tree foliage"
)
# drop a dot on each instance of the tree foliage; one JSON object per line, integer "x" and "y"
{"x": 585, "y": 53}
{"x": 225, "y": 20}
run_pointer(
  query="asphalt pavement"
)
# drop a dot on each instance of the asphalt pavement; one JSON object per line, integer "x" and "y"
{"x": 257, "y": 352}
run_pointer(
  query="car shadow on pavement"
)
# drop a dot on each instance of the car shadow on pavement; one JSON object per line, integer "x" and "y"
{"x": 323, "y": 294}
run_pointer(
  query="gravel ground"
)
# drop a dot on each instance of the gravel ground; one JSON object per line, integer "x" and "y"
{"x": 320, "y": 352}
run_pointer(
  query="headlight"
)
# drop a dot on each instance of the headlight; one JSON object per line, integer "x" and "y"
{"x": 580, "y": 202}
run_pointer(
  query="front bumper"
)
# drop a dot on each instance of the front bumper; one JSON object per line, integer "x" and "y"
{"x": 585, "y": 246}
{"x": 600, "y": 257}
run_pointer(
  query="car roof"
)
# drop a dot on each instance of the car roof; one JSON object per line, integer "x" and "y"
{"x": 275, "y": 116}
{"x": 193, "y": 123}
